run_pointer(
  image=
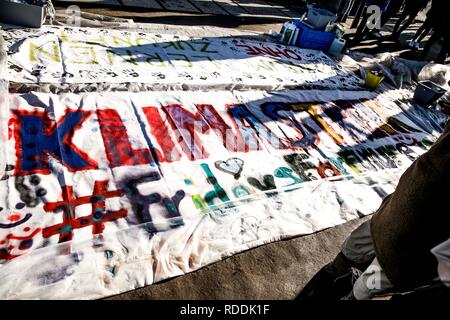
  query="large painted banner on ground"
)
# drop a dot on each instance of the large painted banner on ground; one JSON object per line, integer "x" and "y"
{"x": 106, "y": 192}
{"x": 86, "y": 55}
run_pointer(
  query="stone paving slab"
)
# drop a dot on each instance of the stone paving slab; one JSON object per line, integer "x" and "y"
{"x": 241, "y": 8}
{"x": 148, "y": 4}
{"x": 179, "y": 5}
{"x": 231, "y": 7}
{"x": 258, "y": 7}
{"x": 208, "y": 6}
{"x": 286, "y": 10}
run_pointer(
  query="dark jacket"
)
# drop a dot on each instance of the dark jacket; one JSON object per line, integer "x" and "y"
{"x": 415, "y": 218}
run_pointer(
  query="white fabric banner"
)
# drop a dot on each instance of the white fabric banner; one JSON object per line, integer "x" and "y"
{"x": 106, "y": 192}
{"x": 88, "y": 55}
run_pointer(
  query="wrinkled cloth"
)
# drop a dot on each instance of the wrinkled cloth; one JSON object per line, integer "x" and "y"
{"x": 435, "y": 72}
{"x": 3, "y": 101}
{"x": 398, "y": 72}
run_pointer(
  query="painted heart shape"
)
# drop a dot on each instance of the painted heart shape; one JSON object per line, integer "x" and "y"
{"x": 231, "y": 166}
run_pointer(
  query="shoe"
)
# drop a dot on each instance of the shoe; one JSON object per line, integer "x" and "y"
{"x": 349, "y": 296}
{"x": 319, "y": 288}
{"x": 344, "y": 284}
{"x": 355, "y": 275}
{"x": 325, "y": 286}
{"x": 417, "y": 45}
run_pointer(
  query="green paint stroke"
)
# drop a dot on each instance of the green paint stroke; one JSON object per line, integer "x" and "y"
{"x": 36, "y": 51}
{"x": 218, "y": 191}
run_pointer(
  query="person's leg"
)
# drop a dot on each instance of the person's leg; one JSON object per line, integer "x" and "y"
{"x": 402, "y": 17}
{"x": 425, "y": 32}
{"x": 360, "y": 32}
{"x": 361, "y": 7}
{"x": 442, "y": 56}
{"x": 346, "y": 10}
{"x": 335, "y": 279}
{"x": 420, "y": 31}
{"x": 358, "y": 247}
{"x": 412, "y": 16}
{"x": 385, "y": 17}
{"x": 434, "y": 37}
{"x": 373, "y": 281}
{"x": 392, "y": 9}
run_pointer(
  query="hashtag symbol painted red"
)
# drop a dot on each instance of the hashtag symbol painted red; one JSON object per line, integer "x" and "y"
{"x": 96, "y": 219}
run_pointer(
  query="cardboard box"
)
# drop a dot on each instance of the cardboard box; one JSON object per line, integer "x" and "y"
{"x": 21, "y": 14}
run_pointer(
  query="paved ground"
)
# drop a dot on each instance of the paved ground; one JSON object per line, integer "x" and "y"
{"x": 231, "y": 14}
{"x": 274, "y": 271}
{"x": 238, "y": 8}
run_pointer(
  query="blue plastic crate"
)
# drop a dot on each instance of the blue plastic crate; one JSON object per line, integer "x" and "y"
{"x": 313, "y": 39}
